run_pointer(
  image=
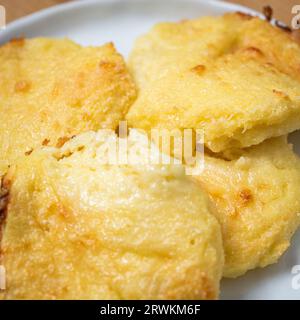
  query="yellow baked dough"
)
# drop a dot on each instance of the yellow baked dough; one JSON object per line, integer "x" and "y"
{"x": 77, "y": 228}
{"x": 256, "y": 195}
{"x": 234, "y": 76}
{"x": 52, "y": 88}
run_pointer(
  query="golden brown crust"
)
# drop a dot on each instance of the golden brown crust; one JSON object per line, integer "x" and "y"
{"x": 219, "y": 74}
{"x": 54, "y": 88}
{"x": 244, "y": 16}
{"x": 96, "y": 231}
{"x": 256, "y": 194}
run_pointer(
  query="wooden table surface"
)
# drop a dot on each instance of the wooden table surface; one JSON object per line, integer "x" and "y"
{"x": 19, "y": 8}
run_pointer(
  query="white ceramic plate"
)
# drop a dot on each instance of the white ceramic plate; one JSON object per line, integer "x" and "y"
{"x": 92, "y": 22}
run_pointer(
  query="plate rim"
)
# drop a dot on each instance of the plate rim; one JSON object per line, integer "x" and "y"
{"x": 36, "y": 17}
